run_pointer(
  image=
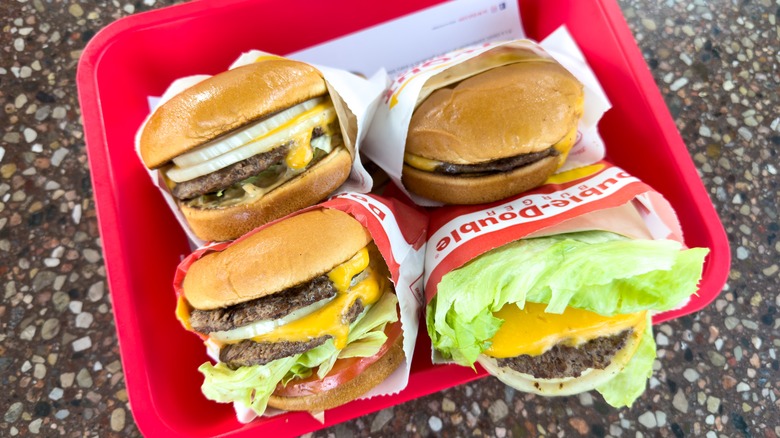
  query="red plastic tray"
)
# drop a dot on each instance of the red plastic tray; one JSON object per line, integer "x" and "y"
{"x": 140, "y": 55}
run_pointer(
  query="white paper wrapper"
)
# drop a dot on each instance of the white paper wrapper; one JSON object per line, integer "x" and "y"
{"x": 387, "y": 135}
{"x": 598, "y": 197}
{"x": 404, "y": 42}
{"x": 399, "y": 233}
{"x": 356, "y": 102}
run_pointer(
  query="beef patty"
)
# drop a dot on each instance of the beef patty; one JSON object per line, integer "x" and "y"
{"x": 237, "y": 172}
{"x": 268, "y": 307}
{"x": 249, "y": 353}
{"x": 500, "y": 165}
{"x": 564, "y": 361}
{"x": 224, "y": 178}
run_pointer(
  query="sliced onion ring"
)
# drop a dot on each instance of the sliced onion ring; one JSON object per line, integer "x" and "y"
{"x": 264, "y": 144}
{"x": 243, "y": 136}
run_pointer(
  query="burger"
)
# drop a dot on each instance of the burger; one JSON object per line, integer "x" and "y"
{"x": 564, "y": 314}
{"x": 300, "y": 315}
{"x": 490, "y": 128}
{"x": 248, "y": 146}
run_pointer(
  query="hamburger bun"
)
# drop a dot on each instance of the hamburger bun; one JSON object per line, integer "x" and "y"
{"x": 315, "y": 279}
{"x": 507, "y": 111}
{"x": 225, "y": 102}
{"x": 248, "y": 146}
{"x": 308, "y": 188}
{"x": 275, "y": 258}
{"x": 479, "y": 189}
{"x": 372, "y": 376}
{"x": 588, "y": 381}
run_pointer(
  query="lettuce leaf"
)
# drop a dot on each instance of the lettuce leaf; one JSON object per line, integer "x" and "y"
{"x": 366, "y": 336}
{"x": 254, "y": 385}
{"x": 630, "y": 383}
{"x": 377, "y": 317}
{"x": 595, "y": 270}
{"x": 311, "y": 359}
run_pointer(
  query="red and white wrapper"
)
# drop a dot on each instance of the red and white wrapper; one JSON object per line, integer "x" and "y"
{"x": 356, "y": 103}
{"x": 399, "y": 233}
{"x": 386, "y": 138}
{"x": 597, "y": 197}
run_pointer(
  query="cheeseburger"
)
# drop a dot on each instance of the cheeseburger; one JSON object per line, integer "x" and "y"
{"x": 247, "y": 146}
{"x": 564, "y": 314}
{"x": 301, "y": 315}
{"x": 491, "y": 127}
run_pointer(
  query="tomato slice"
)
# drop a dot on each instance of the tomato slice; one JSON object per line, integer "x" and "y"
{"x": 343, "y": 370}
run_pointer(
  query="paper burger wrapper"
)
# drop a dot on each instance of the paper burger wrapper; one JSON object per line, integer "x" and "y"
{"x": 386, "y": 138}
{"x": 355, "y": 99}
{"x": 399, "y": 232}
{"x": 600, "y": 197}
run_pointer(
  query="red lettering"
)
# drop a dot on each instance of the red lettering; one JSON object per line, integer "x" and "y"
{"x": 507, "y": 216}
{"x": 455, "y": 235}
{"x": 469, "y": 227}
{"x": 532, "y": 211}
{"x": 559, "y": 203}
{"x": 377, "y": 212}
{"x": 488, "y": 221}
{"x": 443, "y": 243}
{"x": 605, "y": 185}
{"x": 590, "y": 192}
{"x": 371, "y": 207}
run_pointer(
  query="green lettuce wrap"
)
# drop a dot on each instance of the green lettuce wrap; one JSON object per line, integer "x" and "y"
{"x": 596, "y": 271}
{"x": 252, "y": 386}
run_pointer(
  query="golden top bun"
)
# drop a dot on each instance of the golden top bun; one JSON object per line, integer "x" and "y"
{"x": 285, "y": 254}
{"x": 225, "y": 102}
{"x": 308, "y": 188}
{"x": 506, "y": 111}
{"x": 375, "y": 374}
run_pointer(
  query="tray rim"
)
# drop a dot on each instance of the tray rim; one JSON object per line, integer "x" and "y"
{"x": 140, "y": 396}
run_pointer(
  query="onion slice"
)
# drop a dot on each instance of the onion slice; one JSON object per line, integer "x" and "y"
{"x": 262, "y": 327}
{"x": 264, "y": 144}
{"x": 243, "y": 136}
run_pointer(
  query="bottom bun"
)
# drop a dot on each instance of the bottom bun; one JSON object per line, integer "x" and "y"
{"x": 372, "y": 376}
{"x": 452, "y": 189}
{"x": 587, "y": 381}
{"x": 308, "y": 188}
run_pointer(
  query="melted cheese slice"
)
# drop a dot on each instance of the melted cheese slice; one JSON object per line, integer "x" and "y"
{"x": 421, "y": 163}
{"x": 565, "y": 144}
{"x": 328, "y": 321}
{"x": 183, "y": 313}
{"x": 532, "y": 331}
{"x": 301, "y": 153}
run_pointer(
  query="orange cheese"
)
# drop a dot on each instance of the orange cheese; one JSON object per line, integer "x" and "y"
{"x": 421, "y": 163}
{"x": 328, "y": 321}
{"x": 301, "y": 153}
{"x": 563, "y": 146}
{"x": 532, "y": 331}
{"x": 183, "y": 312}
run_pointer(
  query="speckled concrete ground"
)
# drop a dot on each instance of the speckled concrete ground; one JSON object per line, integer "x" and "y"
{"x": 717, "y": 375}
